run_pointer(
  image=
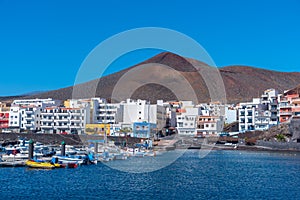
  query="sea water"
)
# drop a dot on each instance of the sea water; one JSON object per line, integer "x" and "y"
{"x": 218, "y": 175}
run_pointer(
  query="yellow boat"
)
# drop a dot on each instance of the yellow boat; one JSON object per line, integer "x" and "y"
{"x": 40, "y": 165}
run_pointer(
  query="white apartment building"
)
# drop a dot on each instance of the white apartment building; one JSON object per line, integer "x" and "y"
{"x": 209, "y": 126}
{"x": 230, "y": 114}
{"x": 246, "y": 113}
{"x": 186, "y": 118}
{"x": 64, "y": 120}
{"x": 14, "y": 117}
{"x": 30, "y": 118}
{"x": 36, "y": 102}
{"x": 261, "y": 113}
{"x": 25, "y": 114}
{"x": 103, "y": 112}
{"x": 131, "y": 111}
{"x": 186, "y": 124}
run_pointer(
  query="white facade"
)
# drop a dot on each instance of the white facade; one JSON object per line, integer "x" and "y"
{"x": 64, "y": 120}
{"x": 186, "y": 118}
{"x": 131, "y": 111}
{"x": 30, "y": 118}
{"x": 14, "y": 117}
{"x": 186, "y": 124}
{"x": 246, "y": 113}
{"x": 230, "y": 114}
{"x": 36, "y": 102}
{"x": 261, "y": 113}
{"x": 209, "y": 125}
{"x": 25, "y": 113}
{"x": 103, "y": 112}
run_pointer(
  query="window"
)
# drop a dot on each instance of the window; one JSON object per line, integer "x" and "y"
{"x": 206, "y": 125}
{"x": 212, "y": 125}
{"x": 140, "y": 112}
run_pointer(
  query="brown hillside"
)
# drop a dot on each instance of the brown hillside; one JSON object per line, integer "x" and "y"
{"x": 241, "y": 82}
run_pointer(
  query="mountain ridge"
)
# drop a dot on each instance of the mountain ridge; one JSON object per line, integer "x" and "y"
{"x": 242, "y": 83}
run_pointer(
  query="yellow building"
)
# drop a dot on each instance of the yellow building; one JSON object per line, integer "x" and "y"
{"x": 97, "y": 129}
{"x": 67, "y": 103}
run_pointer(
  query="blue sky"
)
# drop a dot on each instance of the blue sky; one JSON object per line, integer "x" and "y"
{"x": 43, "y": 43}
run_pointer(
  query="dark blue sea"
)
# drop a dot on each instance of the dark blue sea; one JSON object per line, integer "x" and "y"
{"x": 219, "y": 175}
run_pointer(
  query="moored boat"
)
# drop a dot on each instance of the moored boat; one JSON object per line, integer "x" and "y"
{"x": 16, "y": 163}
{"x": 39, "y": 164}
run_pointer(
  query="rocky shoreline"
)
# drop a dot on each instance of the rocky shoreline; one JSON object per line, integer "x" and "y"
{"x": 56, "y": 139}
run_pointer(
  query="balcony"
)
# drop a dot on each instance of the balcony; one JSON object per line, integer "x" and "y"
{"x": 29, "y": 118}
{"x": 29, "y": 112}
{"x": 273, "y": 109}
{"x": 75, "y": 127}
{"x": 273, "y": 103}
{"x": 47, "y": 120}
{"x": 62, "y": 120}
{"x": 62, "y": 127}
{"x": 261, "y": 122}
{"x": 47, "y": 114}
{"x": 61, "y": 114}
{"x": 285, "y": 106}
{"x": 75, "y": 114}
{"x": 75, "y": 120}
{"x": 47, "y": 127}
{"x": 29, "y": 125}
{"x": 286, "y": 113}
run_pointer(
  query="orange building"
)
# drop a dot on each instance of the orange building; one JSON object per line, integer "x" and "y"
{"x": 289, "y": 106}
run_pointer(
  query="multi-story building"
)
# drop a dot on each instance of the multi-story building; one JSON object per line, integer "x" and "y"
{"x": 230, "y": 114}
{"x": 104, "y": 112}
{"x": 246, "y": 112}
{"x": 25, "y": 114}
{"x": 30, "y": 118}
{"x": 209, "y": 126}
{"x": 4, "y": 106}
{"x": 261, "y": 113}
{"x": 186, "y": 116}
{"x": 289, "y": 106}
{"x": 296, "y": 106}
{"x": 143, "y": 129}
{"x": 64, "y": 120}
{"x": 36, "y": 102}
{"x": 4, "y": 118}
{"x": 14, "y": 117}
{"x": 131, "y": 111}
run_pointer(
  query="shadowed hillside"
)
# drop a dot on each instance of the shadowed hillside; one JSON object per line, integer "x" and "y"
{"x": 241, "y": 82}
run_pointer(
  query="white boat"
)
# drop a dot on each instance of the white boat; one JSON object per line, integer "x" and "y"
{"x": 17, "y": 153}
{"x": 135, "y": 152}
{"x": 67, "y": 160}
{"x": 16, "y": 163}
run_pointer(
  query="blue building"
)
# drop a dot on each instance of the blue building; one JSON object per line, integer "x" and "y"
{"x": 143, "y": 129}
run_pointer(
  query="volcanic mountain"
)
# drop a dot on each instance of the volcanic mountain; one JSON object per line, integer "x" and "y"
{"x": 242, "y": 83}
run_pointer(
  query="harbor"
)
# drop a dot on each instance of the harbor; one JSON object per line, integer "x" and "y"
{"x": 32, "y": 154}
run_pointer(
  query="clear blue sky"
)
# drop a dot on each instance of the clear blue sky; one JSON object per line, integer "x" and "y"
{"x": 43, "y": 43}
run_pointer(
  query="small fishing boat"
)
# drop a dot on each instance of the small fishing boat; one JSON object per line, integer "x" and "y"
{"x": 16, "y": 163}
{"x": 66, "y": 160}
{"x": 39, "y": 164}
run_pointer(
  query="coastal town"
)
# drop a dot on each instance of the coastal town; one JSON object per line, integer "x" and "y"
{"x": 142, "y": 119}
